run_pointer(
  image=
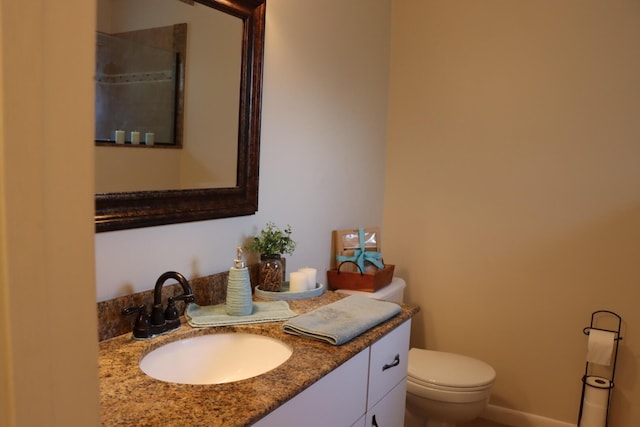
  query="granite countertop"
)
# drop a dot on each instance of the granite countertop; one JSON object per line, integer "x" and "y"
{"x": 128, "y": 397}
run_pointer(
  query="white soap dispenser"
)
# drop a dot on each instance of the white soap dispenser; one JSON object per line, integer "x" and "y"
{"x": 239, "y": 302}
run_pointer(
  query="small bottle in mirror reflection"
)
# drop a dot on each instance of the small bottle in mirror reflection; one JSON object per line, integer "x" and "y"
{"x": 149, "y": 138}
{"x": 119, "y": 137}
{"x": 135, "y": 137}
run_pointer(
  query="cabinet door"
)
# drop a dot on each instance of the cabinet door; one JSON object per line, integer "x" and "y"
{"x": 389, "y": 412}
{"x": 338, "y": 399}
{"x": 388, "y": 362}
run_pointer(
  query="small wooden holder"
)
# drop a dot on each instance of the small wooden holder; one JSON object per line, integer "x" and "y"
{"x": 360, "y": 281}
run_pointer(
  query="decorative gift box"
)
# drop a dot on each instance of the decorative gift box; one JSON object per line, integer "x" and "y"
{"x": 366, "y": 241}
{"x": 357, "y": 262}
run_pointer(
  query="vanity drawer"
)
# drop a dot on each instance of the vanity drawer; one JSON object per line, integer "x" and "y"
{"x": 389, "y": 412}
{"x": 388, "y": 362}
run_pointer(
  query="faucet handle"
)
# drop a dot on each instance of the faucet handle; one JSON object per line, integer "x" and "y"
{"x": 133, "y": 309}
{"x": 142, "y": 327}
{"x": 185, "y": 298}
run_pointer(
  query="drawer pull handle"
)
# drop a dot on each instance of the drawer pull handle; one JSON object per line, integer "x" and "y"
{"x": 374, "y": 423}
{"x": 396, "y": 362}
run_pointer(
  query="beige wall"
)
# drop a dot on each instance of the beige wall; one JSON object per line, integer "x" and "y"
{"x": 47, "y": 294}
{"x": 7, "y": 412}
{"x": 512, "y": 201}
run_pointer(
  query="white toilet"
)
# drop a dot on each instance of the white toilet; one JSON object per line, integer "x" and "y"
{"x": 442, "y": 388}
{"x": 446, "y": 388}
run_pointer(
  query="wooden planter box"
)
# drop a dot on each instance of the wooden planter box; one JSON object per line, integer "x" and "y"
{"x": 367, "y": 281}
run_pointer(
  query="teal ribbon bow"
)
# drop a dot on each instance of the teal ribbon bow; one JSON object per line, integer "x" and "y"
{"x": 360, "y": 255}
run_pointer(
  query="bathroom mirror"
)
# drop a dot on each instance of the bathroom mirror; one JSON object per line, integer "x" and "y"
{"x": 140, "y": 82}
{"x": 144, "y": 207}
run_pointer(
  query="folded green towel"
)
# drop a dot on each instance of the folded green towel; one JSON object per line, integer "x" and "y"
{"x": 343, "y": 320}
{"x": 216, "y": 315}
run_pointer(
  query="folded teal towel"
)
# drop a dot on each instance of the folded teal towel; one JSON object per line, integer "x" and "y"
{"x": 343, "y": 320}
{"x": 216, "y": 315}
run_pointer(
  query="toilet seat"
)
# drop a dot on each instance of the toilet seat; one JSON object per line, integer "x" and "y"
{"x": 448, "y": 377}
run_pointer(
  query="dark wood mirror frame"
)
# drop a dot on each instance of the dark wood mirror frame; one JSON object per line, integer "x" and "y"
{"x": 119, "y": 211}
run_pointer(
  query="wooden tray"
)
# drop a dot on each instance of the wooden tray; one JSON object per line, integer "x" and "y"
{"x": 367, "y": 282}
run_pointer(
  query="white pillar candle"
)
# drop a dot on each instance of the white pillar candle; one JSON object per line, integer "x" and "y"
{"x": 119, "y": 137}
{"x": 135, "y": 137}
{"x": 149, "y": 138}
{"x": 310, "y": 274}
{"x": 297, "y": 282}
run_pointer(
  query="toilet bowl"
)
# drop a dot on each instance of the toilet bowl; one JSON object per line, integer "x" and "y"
{"x": 446, "y": 388}
{"x": 443, "y": 389}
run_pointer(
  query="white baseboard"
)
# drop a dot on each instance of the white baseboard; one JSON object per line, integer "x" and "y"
{"x": 515, "y": 418}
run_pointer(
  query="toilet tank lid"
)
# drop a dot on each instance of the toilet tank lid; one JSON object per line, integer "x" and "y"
{"x": 449, "y": 369}
{"x": 394, "y": 291}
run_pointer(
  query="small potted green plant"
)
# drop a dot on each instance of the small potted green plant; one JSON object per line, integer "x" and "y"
{"x": 271, "y": 244}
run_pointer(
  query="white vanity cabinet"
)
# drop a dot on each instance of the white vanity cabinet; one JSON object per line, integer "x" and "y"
{"x": 367, "y": 390}
{"x": 388, "y": 366}
{"x": 338, "y": 399}
{"x": 389, "y": 412}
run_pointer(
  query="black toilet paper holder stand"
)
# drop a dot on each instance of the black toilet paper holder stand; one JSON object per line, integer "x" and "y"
{"x": 598, "y": 317}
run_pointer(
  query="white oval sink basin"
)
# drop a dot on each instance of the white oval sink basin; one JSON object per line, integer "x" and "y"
{"x": 215, "y": 359}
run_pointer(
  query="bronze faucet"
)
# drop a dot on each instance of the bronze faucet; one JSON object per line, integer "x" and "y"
{"x": 160, "y": 321}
